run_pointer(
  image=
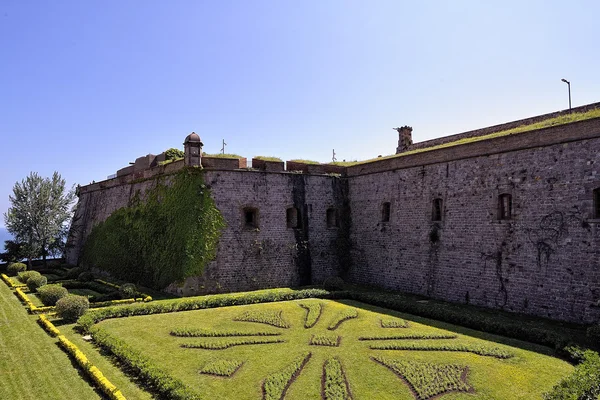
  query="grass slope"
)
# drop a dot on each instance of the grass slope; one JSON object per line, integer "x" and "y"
{"x": 32, "y": 366}
{"x": 526, "y": 375}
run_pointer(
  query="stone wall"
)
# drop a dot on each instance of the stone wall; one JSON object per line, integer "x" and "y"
{"x": 270, "y": 255}
{"x": 544, "y": 261}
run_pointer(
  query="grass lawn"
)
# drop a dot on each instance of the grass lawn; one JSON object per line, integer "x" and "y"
{"x": 357, "y": 349}
{"x": 32, "y": 366}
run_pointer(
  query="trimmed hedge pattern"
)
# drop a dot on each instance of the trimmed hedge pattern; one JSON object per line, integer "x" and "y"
{"x": 225, "y": 344}
{"x": 268, "y": 317}
{"x": 428, "y": 380}
{"x": 325, "y": 339}
{"x": 313, "y": 312}
{"x": 197, "y": 303}
{"x": 141, "y": 366}
{"x": 393, "y": 323}
{"x": 221, "y": 367}
{"x": 48, "y": 326}
{"x": 202, "y": 332}
{"x": 342, "y": 316}
{"x": 334, "y": 383}
{"x": 475, "y": 349}
{"x": 107, "y": 387}
{"x": 414, "y": 336}
{"x": 275, "y": 385}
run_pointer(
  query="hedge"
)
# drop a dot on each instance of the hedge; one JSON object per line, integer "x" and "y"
{"x": 10, "y": 283}
{"x": 583, "y": 383}
{"x": 460, "y": 315}
{"x": 32, "y": 307}
{"x": 105, "y": 385}
{"x": 48, "y": 326}
{"x": 141, "y": 366}
{"x": 197, "y": 303}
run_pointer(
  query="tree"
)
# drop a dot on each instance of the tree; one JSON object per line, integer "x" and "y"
{"x": 40, "y": 209}
{"x": 15, "y": 251}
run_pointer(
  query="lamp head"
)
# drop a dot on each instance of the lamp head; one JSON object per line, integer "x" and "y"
{"x": 564, "y": 80}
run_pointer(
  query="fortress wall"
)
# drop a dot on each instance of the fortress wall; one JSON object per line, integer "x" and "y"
{"x": 501, "y": 127}
{"x": 271, "y": 256}
{"x": 544, "y": 261}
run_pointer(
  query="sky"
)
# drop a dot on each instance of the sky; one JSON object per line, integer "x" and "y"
{"x": 88, "y": 86}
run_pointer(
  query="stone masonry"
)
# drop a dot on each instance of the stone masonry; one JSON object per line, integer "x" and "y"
{"x": 506, "y": 223}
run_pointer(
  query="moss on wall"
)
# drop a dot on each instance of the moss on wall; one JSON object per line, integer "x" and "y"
{"x": 170, "y": 236}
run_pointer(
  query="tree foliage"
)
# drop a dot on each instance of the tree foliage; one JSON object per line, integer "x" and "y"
{"x": 165, "y": 235}
{"x": 39, "y": 212}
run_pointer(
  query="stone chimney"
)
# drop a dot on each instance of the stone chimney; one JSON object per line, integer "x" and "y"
{"x": 404, "y": 138}
{"x": 192, "y": 146}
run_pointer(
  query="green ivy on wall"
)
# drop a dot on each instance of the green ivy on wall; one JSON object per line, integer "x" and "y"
{"x": 170, "y": 235}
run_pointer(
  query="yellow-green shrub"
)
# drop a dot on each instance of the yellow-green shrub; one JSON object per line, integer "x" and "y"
{"x": 48, "y": 326}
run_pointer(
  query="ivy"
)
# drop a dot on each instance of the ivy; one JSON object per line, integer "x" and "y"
{"x": 170, "y": 236}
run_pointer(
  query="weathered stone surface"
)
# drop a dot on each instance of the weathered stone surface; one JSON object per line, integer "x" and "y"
{"x": 544, "y": 260}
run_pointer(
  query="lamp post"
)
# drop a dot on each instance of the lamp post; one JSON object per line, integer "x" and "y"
{"x": 568, "y": 84}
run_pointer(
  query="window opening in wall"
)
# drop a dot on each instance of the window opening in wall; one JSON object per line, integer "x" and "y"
{"x": 332, "y": 218}
{"x": 505, "y": 206}
{"x": 597, "y": 203}
{"x": 250, "y": 218}
{"x": 436, "y": 212}
{"x": 385, "y": 212}
{"x": 293, "y": 217}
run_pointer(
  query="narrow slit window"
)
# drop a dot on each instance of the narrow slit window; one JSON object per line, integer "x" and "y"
{"x": 504, "y": 206}
{"x": 293, "y": 217}
{"x": 385, "y": 212}
{"x": 436, "y": 212}
{"x": 332, "y": 218}
{"x": 597, "y": 203}
{"x": 250, "y": 218}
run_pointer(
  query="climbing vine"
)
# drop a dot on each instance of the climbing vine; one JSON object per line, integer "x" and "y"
{"x": 169, "y": 236}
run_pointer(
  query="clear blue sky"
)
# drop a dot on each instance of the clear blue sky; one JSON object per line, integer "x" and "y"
{"x": 87, "y": 86}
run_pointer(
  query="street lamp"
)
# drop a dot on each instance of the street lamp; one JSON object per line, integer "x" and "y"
{"x": 569, "y": 84}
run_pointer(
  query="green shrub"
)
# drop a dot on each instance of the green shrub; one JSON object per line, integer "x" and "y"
{"x": 73, "y": 273}
{"x": 14, "y": 268}
{"x": 198, "y": 303}
{"x": 593, "y": 333}
{"x": 269, "y": 317}
{"x": 128, "y": 290}
{"x": 25, "y": 275}
{"x": 72, "y": 307}
{"x": 276, "y": 384}
{"x": 169, "y": 387}
{"x": 35, "y": 282}
{"x": 223, "y": 344}
{"x": 334, "y": 384}
{"x": 582, "y": 384}
{"x": 174, "y": 154}
{"x": 221, "y": 367}
{"x": 85, "y": 276}
{"x": 50, "y": 294}
{"x": 334, "y": 283}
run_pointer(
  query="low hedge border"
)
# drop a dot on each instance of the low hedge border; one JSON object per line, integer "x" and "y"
{"x": 30, "y": 306}
{"x": 141, "y": 366}
{"x": 48, "y": 326}
{"x": 142, "y": 296}
{"x": 444, "y": 312}
{"x": 10, "y": 283}
{"x": 197, "y": 303}
{"x": 93, "y": 372}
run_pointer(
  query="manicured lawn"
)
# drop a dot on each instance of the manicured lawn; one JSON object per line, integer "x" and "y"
{"x": 353, "y": 348}
{"x": 32, "y": 366}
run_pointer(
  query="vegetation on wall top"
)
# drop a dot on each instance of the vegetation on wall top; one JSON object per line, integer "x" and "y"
{"x": 221, "y": 155}
{"x": 170, "y": 236}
